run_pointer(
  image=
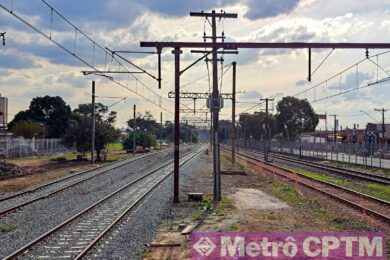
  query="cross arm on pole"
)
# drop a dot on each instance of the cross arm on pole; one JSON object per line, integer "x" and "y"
{"x": 213, "y": 14}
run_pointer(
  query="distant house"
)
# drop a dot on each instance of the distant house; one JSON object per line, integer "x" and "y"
{"x": 377, "y": 129}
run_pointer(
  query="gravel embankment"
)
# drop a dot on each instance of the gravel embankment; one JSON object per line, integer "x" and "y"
{"x": 35, "y": 219}
{"x": 65, "y": 182}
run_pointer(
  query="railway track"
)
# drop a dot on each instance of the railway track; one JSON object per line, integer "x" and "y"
{"x": 368, "y": 205}
{"x": 76, "y": 236}
{"x": 17, "y": 201}
{"x": 369, "y": 177}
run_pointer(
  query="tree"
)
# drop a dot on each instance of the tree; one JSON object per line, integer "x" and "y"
{"x": 27, "y": 129}
{"x": 295, "y": 116}
{"x": 102, "y": 112}
{"x": 142, "y": 138}
{"x": 51, "y": 111}
{"x": 254, "y": 125}
{"x": 79, "y": 132}
{"x": 145, "y": 122}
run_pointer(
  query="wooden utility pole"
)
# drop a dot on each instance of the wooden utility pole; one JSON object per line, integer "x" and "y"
{"x": 267, "y": 145}
{"x": 234, "y": 114}
{"x": 93, "y": 124}
{"x": 215, "y": 99}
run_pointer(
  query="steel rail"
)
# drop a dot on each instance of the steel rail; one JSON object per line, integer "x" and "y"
{"x": 340, "y": 171}
{"x": 34, "y": 189}
{"x": 82, "y": 213}
{"x": 21, "y": 205}
{"x": 299, "y": 180}
{"x": 131, "y": 207}
{"x": 358, "y": 174}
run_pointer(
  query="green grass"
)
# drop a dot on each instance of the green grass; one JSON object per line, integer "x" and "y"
{"x": 287, "y": 192}
{"x": 115, "y": 157}
{"x": 115, "y": 147}
{"x": 360, "y": 167}
{"x": 372, "y": 189}
{"x": 146, "y": 254}
{"x": 7, "y": 228}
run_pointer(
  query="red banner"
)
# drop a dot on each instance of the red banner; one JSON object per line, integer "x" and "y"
{"x": 322, "y": 117}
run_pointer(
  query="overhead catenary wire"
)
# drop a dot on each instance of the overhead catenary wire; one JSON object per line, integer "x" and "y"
{"x": 339, "y": 75}
{"x": 95, "y": 45}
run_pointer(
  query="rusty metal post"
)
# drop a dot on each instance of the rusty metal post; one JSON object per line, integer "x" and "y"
{"x": 309, "y": 66}
{"x": 211, "y": 131}
{"x": 187, "y": 139}
{"x": 159, "y": 67}
{"x": 177, "y": 52}
{"x": 93, "y": 124}
{"x": 134, "y": 126}
{"x": 161, "y": 130}
{"x": 234, "y": 115}
{"x": 215, "y": 108}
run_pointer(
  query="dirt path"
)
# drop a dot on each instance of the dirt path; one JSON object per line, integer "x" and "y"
{"x": 251, "y": 202}
{"x": 40, "y": 170}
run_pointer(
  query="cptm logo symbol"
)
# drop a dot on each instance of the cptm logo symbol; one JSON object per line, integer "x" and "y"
{"x": 204, "y": 246}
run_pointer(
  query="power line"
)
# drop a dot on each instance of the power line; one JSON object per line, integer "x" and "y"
{"x": 351, "y": 90}
{"x": 95, "y": 45}
{"x": 338, "y": 74}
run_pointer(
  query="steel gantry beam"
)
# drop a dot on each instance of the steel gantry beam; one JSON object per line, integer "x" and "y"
{"x": 198, "y": 111}
{"x": 266, "y": 45}
{"x": 194, "y": 95}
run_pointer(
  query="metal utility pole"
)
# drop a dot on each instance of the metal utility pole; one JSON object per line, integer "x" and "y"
{"x": 93, "y": 124}
{"x": 161, "y": 130}
{"x": 234, "y": 114}
{"x": 383, "y": 123}
{"x": 211, "y": 131}
{"x": 187, "y": 132}
{"x": 3, "y": 36}
{"x": 177, "y": 53}
{"x": 134, "y": 126}
{"x": 267, "y": 129}
{"x": 334, "y": 128}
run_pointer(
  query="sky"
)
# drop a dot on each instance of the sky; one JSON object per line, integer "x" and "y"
{"x": 32, "y": 65}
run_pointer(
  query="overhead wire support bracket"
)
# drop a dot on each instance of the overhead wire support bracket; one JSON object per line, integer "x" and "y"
{"x": 89, "y": 72}
{"x": 195, "y": 62}
{"x": 131, "y": 63}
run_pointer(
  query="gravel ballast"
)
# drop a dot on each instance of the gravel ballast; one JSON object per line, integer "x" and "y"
{"x": 35, "y": 219}
{"x": 128, "y": 239}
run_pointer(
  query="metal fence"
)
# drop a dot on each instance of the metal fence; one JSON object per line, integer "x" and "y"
{"x": 19, "y": 147}
{"x": 376, "y": 155}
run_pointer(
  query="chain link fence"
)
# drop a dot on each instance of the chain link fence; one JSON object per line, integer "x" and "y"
{"x": 19, "y": 147}
{"x": 375, "y": 155}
